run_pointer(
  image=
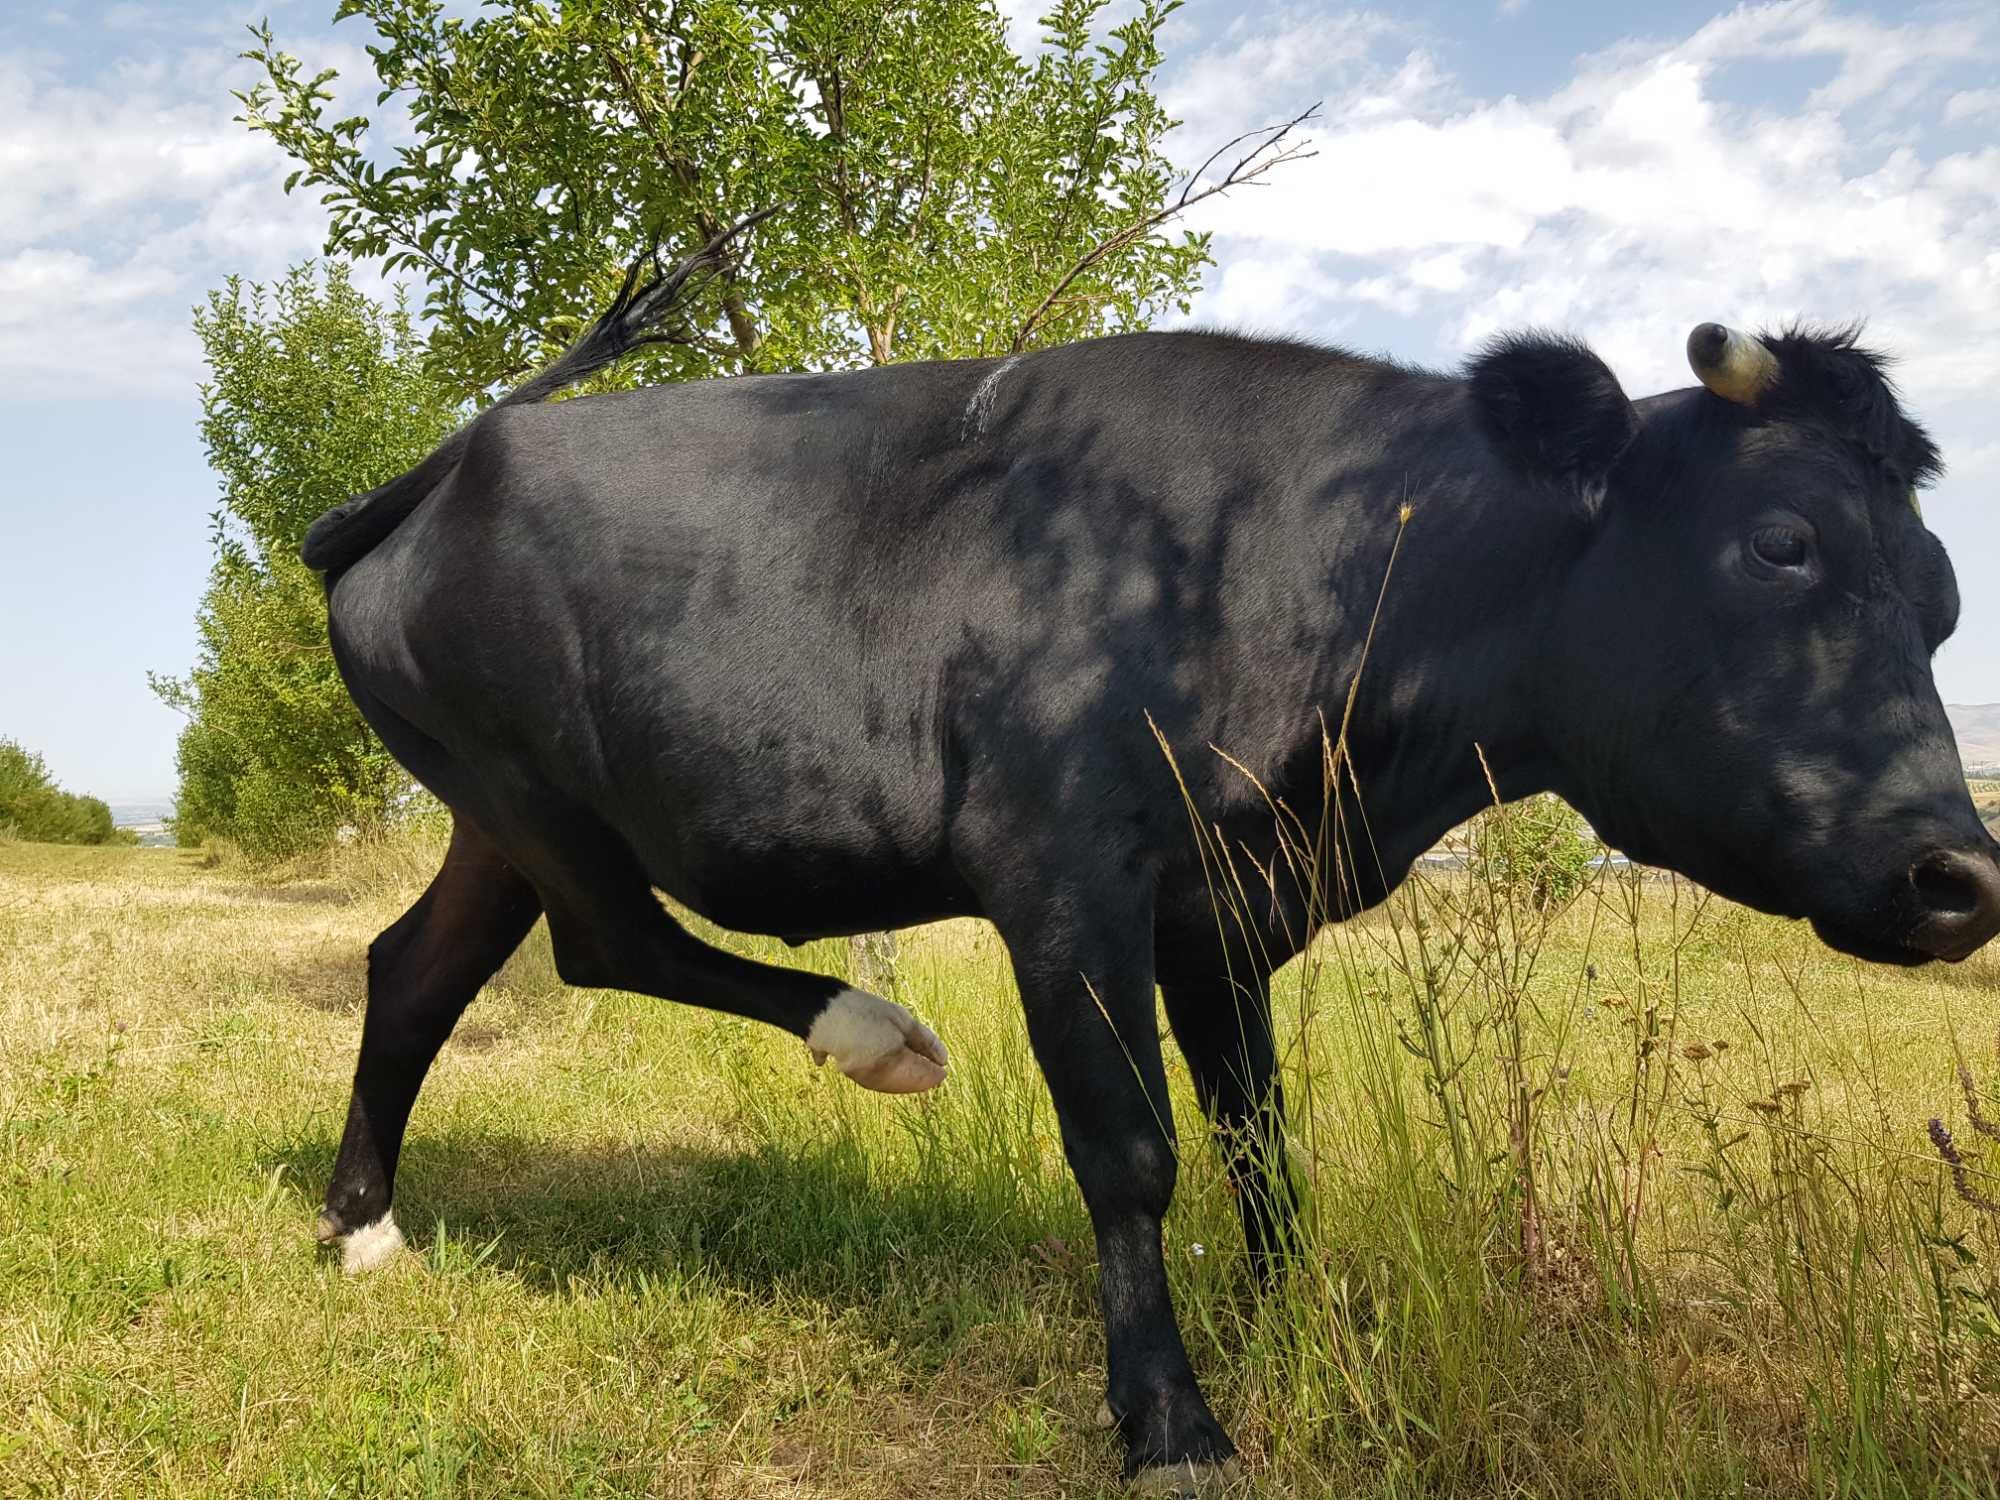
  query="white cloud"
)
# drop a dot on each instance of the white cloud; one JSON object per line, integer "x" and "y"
{"x": 1268, "y": 292}
{"x": 1968, "y": 105}
{"x": 1635, "y": 199}
{"x": 123, "y": 200}
{"x": 1651, "y": 191}
{"x": 1023, "y": 18}
{"x": 31, "y": 280}
{"x": 1297, "y": 57}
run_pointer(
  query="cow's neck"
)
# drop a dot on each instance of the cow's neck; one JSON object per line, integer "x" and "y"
{"x": 1446, "y": 712}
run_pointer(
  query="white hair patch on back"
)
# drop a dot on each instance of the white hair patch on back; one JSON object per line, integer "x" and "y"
{"x": 979, "y": 410}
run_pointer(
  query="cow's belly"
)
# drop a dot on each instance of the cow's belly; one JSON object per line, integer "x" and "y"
{"x": 769, "y": 859}
{"x": 800, "y": 892}
{"x": 779, "y": 899}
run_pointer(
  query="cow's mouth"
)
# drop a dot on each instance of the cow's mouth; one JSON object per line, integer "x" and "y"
{"x": 1875, "y": 950}
{"x": 1946, "y": 906}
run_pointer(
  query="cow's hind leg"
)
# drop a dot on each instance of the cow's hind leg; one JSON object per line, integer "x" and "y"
{"x": 1083, "y": 957}
{"x": 1224, "y": 1031}
{"x": 422, "y": 973}
{"x": 611, "y": 932}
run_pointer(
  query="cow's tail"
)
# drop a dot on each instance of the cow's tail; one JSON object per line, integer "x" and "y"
{"x": 635, "y": 318}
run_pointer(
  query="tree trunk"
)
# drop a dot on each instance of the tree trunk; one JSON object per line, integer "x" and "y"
{"x": 742, "y": 327}
{"x": 872, "y": 963}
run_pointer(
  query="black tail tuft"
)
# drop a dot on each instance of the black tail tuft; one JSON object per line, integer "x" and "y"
{"x": 637, "y": 316}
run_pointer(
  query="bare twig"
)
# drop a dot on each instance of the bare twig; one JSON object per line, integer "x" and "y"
{"x": 1270, "y": 151}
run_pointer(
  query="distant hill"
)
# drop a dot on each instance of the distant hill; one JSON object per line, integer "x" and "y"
{"x": 1977, "y": 726}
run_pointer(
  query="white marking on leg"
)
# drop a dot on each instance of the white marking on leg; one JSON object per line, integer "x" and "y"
{"x": 371, "y": 1247}
{"x": 878, "y": 1044}
{"x": 980, "y": 408}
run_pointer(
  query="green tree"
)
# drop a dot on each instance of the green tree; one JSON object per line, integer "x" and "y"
{"x": 34, "y": 808}
{"x": 315, "y": 393}
{"x": 1538, "y": 851}
{"x": 944, "y": 197}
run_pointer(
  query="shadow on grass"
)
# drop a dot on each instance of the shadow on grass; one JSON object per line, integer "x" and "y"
{"x": 296, "y": 893}
{"x": 1981, "y": 972}
{"x": 811, "y": 1218}
{"x": 330, "y": 977}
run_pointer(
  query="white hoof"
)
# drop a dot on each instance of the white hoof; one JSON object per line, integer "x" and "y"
{"x": 878, "y": 1044}
{"x": 371, "y": 1247}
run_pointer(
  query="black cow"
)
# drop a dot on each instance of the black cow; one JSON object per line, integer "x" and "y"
{"x": 817, "y": 654}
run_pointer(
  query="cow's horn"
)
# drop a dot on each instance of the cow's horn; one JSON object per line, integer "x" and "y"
{"x": 1735, "y": 366}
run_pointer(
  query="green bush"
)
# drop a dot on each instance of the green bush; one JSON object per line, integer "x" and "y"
{"x": 34, "y": 808}
{"x": 1538, "y": 852}
{"x": 317, "y": 393}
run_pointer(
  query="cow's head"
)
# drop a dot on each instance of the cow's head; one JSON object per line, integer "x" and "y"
{"x": 1739, "y": 681}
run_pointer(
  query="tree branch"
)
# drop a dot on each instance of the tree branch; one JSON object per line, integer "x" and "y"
{"x": 742, "y": 326}
{"x": 1270, "y": 151}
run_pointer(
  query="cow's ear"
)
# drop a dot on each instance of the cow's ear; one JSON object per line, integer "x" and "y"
{"x": 1552, "y": 407}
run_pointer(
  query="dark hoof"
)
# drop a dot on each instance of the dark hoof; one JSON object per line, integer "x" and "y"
{"x": 328, "y": 1229}
{"x": 1174, "y": 1446}
{"x": 1192, "y": 1481}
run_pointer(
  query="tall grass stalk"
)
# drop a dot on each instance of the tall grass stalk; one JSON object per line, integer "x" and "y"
{"x": 1531, "y": 1147}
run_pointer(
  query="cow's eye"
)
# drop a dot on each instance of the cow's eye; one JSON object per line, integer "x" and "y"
{"x": 1779, "y": 546}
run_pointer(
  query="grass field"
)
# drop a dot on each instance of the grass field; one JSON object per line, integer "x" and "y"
{"x": 1986, "y": 798}
{"x": 1635, "y": 1201}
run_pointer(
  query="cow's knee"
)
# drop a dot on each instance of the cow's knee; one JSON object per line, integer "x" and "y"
{"x": 1129, "y": 1176}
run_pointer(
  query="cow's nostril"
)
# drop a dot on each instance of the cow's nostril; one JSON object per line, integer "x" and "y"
{"x": 1945, "y": 887}
{"x": 1958, "y": 896}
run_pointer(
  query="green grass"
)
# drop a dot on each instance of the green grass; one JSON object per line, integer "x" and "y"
{"x": 1558, "y": 1241}
{"x": 1986, "y": 798}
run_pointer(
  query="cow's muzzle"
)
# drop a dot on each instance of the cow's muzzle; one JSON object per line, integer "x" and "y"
{"x": 1945, "y": 905}
{"x": 1957, "y": 902}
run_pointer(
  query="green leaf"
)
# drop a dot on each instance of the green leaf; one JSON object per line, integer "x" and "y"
{"x": 943, "y": 184}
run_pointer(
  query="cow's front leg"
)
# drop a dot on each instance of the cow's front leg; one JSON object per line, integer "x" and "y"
{"x": 1085, "y": 968}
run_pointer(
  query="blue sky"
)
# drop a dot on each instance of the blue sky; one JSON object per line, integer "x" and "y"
{"x": 1480, "y": 166}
